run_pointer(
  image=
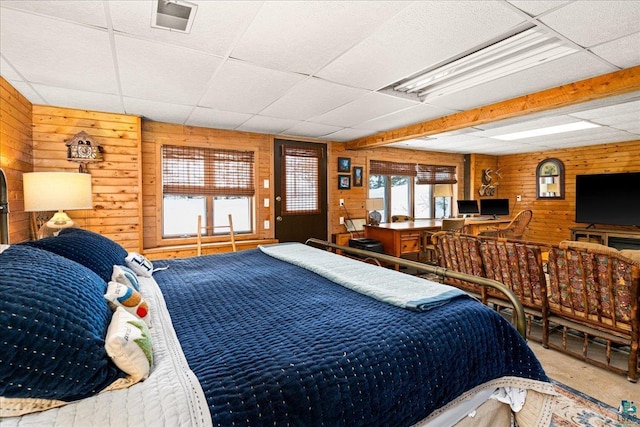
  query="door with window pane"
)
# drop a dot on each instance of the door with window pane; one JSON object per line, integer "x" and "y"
{"x": 301, "y": 191}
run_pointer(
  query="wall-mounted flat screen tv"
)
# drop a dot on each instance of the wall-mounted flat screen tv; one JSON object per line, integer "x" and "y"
{"x": 610, "y": 198}
{"x": 468, "y": 207}
{"x": 494, "y": 207}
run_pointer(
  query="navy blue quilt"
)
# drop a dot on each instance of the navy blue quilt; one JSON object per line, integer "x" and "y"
{"x": 274, "y": 344}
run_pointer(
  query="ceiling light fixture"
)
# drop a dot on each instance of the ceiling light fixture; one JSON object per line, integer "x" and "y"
{"x": 551, "y": 130}
{"x": 518, "y": 52}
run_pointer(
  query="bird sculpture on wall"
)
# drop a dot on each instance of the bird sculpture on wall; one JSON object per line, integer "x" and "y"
{"x": 489, "y": 182}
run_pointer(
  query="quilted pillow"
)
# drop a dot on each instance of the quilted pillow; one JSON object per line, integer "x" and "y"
{"x": 90, "y": 249}
{"x": 140, "y": 264}
{"x": 128, "y": 298}
{"x": 128, "y": 343}
{"x": 126, "y": 276}
{"x": 53, "y": 320}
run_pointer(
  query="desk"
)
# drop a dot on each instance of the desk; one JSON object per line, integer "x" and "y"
{"x": 475, "y": 227}
{"x": 401, "y": 238}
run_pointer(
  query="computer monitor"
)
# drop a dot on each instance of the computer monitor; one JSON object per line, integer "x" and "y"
{"x": 468, "y": 207}
{"x": 494, "y": 207}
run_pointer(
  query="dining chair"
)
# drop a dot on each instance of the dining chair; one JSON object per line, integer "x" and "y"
{"x": 401, "y": 218}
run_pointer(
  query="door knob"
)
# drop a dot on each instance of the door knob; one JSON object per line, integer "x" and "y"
{"x": 278, "y": 198}
{"x": 278, "y": 218}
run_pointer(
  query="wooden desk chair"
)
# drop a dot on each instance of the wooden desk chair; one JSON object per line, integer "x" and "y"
{"x": 401, "y": 218}
{"x": 428, "y": 246}
{"x": 206, "y": 228}
{"x": 515, "y": 229}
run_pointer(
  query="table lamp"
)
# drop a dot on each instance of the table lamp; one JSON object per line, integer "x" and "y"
{"x": 372, "y": 205}
{"x": 56, "y": 191}
{"x": 443, "y": 190}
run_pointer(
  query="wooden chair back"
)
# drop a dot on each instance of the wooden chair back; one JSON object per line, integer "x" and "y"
{"x": 401, "y": 218}
{"x": 461, "y": 253}
{"x": 518, "y": 225}
{"x": 206, "y": 228}
{"x": 452, "y": 224}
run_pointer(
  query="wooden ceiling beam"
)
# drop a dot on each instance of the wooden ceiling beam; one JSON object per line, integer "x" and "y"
{"x": 606, "y": 85}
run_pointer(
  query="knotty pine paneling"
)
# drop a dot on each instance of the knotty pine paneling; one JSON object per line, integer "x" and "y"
{"x": 552, "y": 219}
{"x": 355, "y": 197}
{"x": 116, "y": 182}
{"x": 15, "y": 155}
{"x": 155, "y": 134}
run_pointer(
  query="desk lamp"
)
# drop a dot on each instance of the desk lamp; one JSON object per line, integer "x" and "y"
{"x": 56, "y": 191}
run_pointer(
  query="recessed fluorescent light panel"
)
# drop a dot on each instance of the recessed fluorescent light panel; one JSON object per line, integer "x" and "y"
{"x": 173, "y": 15}
{"x": 551, "y": 130}
{"x": 513, "y": 53}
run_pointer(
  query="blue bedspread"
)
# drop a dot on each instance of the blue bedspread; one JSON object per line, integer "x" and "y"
{"x": 275, "y": 344}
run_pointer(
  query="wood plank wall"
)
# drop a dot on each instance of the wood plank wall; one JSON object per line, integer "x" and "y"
{"x": 155, "y": 134}
{"x": 552, "y": 219}
{"x": 355, "y": 197}
{"x": 15, "y": 155}
{"x": 117, "y": 209}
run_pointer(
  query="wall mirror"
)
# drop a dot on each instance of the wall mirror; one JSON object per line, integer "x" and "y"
{"x": 550, "y": 179}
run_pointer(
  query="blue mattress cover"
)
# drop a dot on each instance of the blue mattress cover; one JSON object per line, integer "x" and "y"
{"x": 275, "y": 344}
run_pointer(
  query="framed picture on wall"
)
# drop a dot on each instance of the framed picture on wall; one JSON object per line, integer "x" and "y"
{"x": 344, "y": 182}
{"x": 357, "y": 176}
{"x": 344, "y": 164}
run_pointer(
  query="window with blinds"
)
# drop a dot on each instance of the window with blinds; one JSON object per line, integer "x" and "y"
{"x": 207, "y": 171}
{"x": 209, "y": 182}
{"x": 300, "y": 180}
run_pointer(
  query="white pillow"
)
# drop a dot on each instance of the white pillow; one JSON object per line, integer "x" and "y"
{"x": 129, "y": 299}
{"x": 128, "y": 343}
{"x": 140, "y": 264}
{"x": 126, "y": 276}
{"x": 3, "y": 247}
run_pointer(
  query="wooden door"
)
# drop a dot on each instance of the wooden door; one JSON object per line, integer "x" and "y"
{"x": 4, "y": 210}
{"x": 301, "y": 190}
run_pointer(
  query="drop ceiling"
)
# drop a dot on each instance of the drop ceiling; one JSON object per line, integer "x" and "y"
{"x": 317, "y": 69}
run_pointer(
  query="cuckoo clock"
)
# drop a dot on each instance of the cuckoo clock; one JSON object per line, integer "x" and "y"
{"x": 84, "y": 149}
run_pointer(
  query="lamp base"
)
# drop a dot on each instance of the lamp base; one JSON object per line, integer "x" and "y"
{"x": 60, "y": 220}
{"x": 374, "y": 218}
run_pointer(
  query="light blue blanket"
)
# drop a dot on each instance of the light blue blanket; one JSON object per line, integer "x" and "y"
{"x": 386, "y": 285}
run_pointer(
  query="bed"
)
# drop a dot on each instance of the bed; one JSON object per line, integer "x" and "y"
{"x": 281, "y": 335}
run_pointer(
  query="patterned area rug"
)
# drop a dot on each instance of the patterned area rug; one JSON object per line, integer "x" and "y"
{"x": 575, "y": 409}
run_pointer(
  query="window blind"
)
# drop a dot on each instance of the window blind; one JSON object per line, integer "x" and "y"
{"x": 432, "y": 174}
{"x": 207, "y": 171}
{"x": 301, "y": 167}
{"x": 382, "y": 167}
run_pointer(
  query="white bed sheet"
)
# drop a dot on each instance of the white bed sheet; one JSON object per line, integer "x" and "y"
{"x": 171, "y": 396}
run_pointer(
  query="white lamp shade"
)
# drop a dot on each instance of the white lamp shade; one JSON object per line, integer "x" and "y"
{"x": 53, "y": 191}
{"x": 443, "y": 190}
{"x": 374, "y": 204}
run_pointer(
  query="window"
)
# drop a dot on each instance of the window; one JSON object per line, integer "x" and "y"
{"x": 208, "y": 182}
{"x": 408, "y": 189}
{"x": 300, "y": 180}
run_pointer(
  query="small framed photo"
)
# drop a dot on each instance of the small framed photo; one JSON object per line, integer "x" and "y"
{"x": 344, "y": 182}
{"x": 344, "y": 164}
{"x": 357, "y": 176}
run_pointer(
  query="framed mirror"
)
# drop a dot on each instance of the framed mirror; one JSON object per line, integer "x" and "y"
{"x": 550, "y": 179}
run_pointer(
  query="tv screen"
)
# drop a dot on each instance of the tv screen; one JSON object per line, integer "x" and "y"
{"x": 494, "y": 207}
{"x": 468, "y": 207}
{"x": 608, "y": 198}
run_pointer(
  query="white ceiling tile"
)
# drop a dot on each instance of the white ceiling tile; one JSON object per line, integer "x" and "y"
{"x": 348, "y": 134}
{"x": 8, "y": 72}
{"x": 620, "y": 120}
{"x": 526, "y": 125}
{"x": 367, "y": 107}
{"x": 269, "y": 125}
{"x": 79, "y": 11}
{"x": 609, "y": 110}
{"x": 310, "y": 98}
{"x": 311, "y": 130}
{"x": 216, "y": 26}
{"x": 163, "y": 73}
{"x": 207, "y": 117}
{"x": 551, "y": 74}
{"x": 623, "y": 52}
{"x": 157, "y": 111}
{"x": 589, "y": 23}
{"x": 421, "y": 36}
{"x": 537, "y": 7}
{"x": 412, "y": 115}
{"x": 47, "y": 52}
{"x": 83, "y": 100}
{"x": 312, "y": 32}
{"x": 247, "y": 88}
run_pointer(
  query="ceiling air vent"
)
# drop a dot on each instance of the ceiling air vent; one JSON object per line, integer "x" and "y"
{"x": 173, "y": 15}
